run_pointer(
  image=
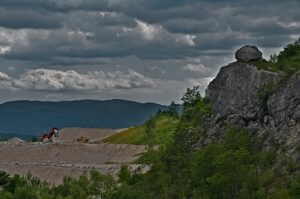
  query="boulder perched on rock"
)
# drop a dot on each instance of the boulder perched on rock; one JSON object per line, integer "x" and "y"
{"x": 248, "y": 53}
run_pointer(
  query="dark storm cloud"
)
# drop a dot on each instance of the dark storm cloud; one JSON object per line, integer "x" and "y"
{"x": 17, "y": 19}
{"x": 172, "y": 42}
{"x": 53, "y": 5}
{"x": 110, "y": 29}
{"x": 192, "y": 26}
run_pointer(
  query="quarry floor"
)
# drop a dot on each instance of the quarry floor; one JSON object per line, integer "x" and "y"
{"x": 52, "y": 161}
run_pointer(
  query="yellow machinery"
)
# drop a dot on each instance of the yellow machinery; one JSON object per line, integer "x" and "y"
{"x": 82, "y": 139}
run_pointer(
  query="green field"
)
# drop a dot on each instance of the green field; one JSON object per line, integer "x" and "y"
{"x": 165, "y": 127}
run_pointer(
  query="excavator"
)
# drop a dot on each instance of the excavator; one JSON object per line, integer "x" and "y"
{"x": 54, "y": 133}
{"x": 50, "y": 136}
{"x": 82, "y": 139}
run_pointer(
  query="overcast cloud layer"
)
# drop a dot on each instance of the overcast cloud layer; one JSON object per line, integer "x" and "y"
{"x": 136, "y": 49}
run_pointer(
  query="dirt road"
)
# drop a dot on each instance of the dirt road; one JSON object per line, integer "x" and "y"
{"x": 70, "y": 134}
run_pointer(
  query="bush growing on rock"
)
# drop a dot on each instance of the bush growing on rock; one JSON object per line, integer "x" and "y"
{"x": 287, "y": 61}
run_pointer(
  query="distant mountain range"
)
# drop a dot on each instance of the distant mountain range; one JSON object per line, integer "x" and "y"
{"x": 35, "y": 117}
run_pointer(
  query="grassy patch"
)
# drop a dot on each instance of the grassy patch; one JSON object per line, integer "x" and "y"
{"x": 266, "y": 65}
{"x": 131, "y": 136}
{"x": 163, "y": 133}
{"x": 287, "y": 61}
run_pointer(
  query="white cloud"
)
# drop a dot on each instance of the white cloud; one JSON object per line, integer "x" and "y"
{"x": 4, "y": 77}
{"x": 5, "y": 82}
{"x": 4, "y": 50}
{"x": 202, "y": 83}
{"x": 158, "y": 69}
{"x": 11, "y": 36}
{"x": 195, "y": 65}
{"x": 156, "y": 32}
{"x": 187, "y": 39}
{"x": 294, "y": 24}
{"x": 55, "y": 80}
{"x": 200, "y": 68}
{"x": 148, "y": 31}
{"x": 81, "y": 34}
{"x": 295, "y": 37}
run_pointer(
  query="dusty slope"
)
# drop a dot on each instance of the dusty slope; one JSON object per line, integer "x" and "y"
{"x": 69, "y": 153}
{"x": 53, "y": 161}
{"x": 69, "y": 134}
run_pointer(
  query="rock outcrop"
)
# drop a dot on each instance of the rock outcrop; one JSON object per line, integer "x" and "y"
{"x": 266, "y": 103}
{"x": 284, "y": 104}
{"x": 284, "y": 108}
{"x": 234, "y": 90}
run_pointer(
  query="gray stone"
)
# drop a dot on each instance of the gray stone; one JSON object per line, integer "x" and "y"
{"x": 234, "y": 99}
{"x": 292, "y": 122}
{"x": 217, "y": 118}
{"x": 297, "y": 113}
{"x": 283, "y": 104}
{"x": 234, "y": 90}
{"x": 248, "y": 53}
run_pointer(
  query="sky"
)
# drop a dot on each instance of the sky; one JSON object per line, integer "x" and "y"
{"x": 141, "y": 50}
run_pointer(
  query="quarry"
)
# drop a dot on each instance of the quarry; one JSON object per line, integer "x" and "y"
{"x": 51, "y": 161}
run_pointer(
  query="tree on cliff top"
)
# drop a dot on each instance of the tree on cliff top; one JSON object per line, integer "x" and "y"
{"x": 288, "y": 60}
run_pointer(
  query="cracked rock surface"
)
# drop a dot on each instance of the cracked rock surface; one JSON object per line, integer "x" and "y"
{"x": 235, "y": 100}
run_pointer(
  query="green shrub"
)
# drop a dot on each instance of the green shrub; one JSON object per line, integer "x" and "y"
{"x": 266, "y": 65}
{"x": 6, "y": 195}
{"x": 195, "y": 107}
{"x": 287, "y": 61}
{"x": 25, "y": 192}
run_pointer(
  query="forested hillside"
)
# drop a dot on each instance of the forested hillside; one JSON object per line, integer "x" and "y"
{"x": 34, "y": 117}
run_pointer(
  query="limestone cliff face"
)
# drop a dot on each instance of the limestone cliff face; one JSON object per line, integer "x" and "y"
{"x": 234, "y": 95}
{"x": 234, "y": 90}
{"x": 284, "y": 104}
{"x": 284, "y": 109}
